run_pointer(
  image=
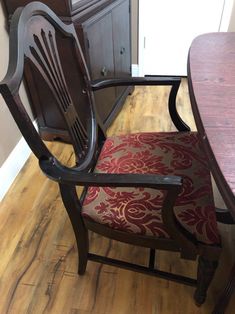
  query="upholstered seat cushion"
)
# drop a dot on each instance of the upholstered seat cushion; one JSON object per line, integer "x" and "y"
{"x": 138, "y": 210}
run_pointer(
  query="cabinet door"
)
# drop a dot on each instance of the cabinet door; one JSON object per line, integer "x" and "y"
{"x": 100, "y": 59}
{"x": 121, "y": 41}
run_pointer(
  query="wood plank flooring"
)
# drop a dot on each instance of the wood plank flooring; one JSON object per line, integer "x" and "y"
{"x": 38, "y": 255}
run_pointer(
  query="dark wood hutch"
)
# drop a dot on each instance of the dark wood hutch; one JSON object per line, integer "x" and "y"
{"x": 103, "y": 28}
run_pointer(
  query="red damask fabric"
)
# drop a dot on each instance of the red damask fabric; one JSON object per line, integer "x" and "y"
{"x": 138, "y": 210}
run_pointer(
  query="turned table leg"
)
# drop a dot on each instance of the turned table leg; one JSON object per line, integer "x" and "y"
{"x": 224, "y": 216}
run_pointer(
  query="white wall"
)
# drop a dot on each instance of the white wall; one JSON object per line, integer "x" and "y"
{"x": 13, "y": 149}
{"x": 232, "y": 20}
{"x": 9, "y": 134}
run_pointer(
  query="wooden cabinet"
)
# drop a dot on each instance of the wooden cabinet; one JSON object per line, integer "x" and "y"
{"x": 121, "y": 44}
{"x": 98, "y": 33}
{"x": 105, "y": 38}
{"x": 103, "y": 28}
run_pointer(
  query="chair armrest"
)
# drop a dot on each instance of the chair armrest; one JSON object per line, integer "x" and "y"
{"x": 61, "y": 174}
{"x": 134, "y": 81}
{"x": 69, "y": 177}
{"x": 173, "y": 81}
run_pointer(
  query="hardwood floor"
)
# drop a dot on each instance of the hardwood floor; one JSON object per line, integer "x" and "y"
{"x": 38, "y": 255}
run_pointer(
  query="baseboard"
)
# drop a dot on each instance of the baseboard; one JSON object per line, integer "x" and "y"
{"x": 135, "y": 70}
{"x": 13, "y": 164}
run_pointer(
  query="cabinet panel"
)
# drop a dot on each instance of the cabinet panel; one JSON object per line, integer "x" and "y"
{"x": 101, "y": 62}
{"x": 121, "y": 41}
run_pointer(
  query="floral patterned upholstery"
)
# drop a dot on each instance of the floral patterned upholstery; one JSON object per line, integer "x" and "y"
{"x": 138, "y": 210}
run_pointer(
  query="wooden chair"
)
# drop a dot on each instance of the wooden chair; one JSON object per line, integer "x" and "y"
{"x": 147, "y": 189}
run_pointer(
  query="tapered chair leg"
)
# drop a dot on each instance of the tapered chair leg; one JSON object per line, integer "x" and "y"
{"x": 205, "y": 274}
{"x": 73, "y": 208}
{"x": 83, "y": 246}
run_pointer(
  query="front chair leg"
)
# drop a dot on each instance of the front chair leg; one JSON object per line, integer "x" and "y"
{"x": 82, "y": 245}
{"x": 73, "y": 208}
{"x": 205, "y": 274}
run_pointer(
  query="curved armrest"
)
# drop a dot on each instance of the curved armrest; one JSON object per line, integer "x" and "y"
{"x": 61, "y": 174}
{"x": 134, "y": 81}
{"x": 173, "y": 81}
{"x": 69, "y": 177}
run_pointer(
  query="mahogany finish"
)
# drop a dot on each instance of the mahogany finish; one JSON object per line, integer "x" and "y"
{"x": 35, "y": 31}
{"x": 103, "y": 29}
{"x": 211, "y": 69}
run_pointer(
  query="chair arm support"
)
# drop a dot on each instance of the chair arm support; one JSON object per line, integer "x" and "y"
{"x": 175, "y": 230}
{"x": 70, "y": 176}
{"x": 173, "y": 81}
{"x": 134, "y": 81}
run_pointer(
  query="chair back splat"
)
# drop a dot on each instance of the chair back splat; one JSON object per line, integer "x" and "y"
{"x": 34, "y": 45}
{"x": 148, "y": 189}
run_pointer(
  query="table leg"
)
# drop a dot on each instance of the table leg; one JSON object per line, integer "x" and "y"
{"x": 224, "y": 216}
{"x": 224, "y": 298}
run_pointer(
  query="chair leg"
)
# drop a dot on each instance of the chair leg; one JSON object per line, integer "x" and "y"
{"x": 73, "y": 208}
{"x": 226, "y": 294}
{"x": 82, "y": 245}
{"x": 205, "y": 274}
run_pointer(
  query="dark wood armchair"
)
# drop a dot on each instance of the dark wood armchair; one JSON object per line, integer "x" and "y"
{"x": 148, "y": 189}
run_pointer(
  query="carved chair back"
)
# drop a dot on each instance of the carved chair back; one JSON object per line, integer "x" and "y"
{"x": 34, "y": 36}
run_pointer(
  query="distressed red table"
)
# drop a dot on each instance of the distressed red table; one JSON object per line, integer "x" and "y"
{"x": 211, "y": 77}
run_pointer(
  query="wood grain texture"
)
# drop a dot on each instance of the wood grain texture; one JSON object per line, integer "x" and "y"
{"x": 212, "y": 88}
{"x": 38, "y": 254}
{"x": 106, "y": 51}
{"x": 211, "y": 68}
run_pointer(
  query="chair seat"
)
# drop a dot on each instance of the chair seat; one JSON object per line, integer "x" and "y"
{"x": 138, "y": 210}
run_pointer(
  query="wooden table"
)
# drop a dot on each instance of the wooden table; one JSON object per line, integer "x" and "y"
{"x": 211, "y": 74}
